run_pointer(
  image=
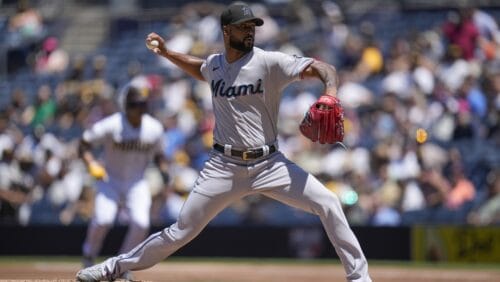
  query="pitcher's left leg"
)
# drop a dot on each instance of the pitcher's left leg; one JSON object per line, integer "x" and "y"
{"x": 307, "y": 193}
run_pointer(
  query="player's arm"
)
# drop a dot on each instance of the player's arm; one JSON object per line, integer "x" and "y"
{"x": 324, "y": 121}
{"x": 160, "y": 160}
{"x": 90, "y": 136}
{"x": 85, "y": 152}
{"x": 94, "y": 167}
{"x": 189, "y": 64}
{"x": 162, "y": 163}
{"x": 326, "y": 73}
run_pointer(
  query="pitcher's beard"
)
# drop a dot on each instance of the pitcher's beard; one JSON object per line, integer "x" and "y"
{"x": 240, "y": 45}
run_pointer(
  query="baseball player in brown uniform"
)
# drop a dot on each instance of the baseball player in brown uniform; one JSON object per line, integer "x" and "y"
{"x": 246, "y": 85}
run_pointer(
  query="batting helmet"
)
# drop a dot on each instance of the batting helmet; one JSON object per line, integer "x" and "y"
{"x": 132, "y": 95}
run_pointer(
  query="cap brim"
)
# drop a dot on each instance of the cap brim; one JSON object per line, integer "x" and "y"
{"x": 257, "y": 21}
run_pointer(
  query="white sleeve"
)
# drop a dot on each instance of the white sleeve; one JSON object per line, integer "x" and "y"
{"x": 98, "y": 132}
{"x": 160, "y": 144}
{"x": 205, "y": 67}
{"x": 287, "y": 68}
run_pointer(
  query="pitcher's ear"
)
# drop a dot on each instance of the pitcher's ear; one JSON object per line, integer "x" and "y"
{"x": 225, "y": 30}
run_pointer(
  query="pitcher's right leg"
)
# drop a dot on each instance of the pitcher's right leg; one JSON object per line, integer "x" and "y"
{"x": 198, "y": 210}
{"x": 218, "y": 184}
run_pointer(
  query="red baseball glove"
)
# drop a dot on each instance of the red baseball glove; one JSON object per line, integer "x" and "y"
{"x": 324, "y": 121}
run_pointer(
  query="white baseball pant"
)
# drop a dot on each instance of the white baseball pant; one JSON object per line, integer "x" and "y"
{"x": 135, "y": 197}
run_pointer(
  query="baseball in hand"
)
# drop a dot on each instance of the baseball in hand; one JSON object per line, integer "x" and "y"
{"x": 421, "y": 135}
{"x": 152, "y": 44}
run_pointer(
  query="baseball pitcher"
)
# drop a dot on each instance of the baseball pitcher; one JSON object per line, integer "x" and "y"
{"x": 246, "y": 85}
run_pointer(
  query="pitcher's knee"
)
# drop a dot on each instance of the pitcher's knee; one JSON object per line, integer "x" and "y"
{"x": 180, "y": 236}
{"x": 328, "y": 204}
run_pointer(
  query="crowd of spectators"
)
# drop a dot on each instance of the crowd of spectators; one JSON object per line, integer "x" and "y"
{"x": 444, "y": 78}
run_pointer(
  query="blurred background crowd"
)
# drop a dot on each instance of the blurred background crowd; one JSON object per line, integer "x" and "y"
{"x": 402, "y": 65}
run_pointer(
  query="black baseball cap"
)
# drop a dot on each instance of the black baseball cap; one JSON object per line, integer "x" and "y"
{"x": 238, "y": 13}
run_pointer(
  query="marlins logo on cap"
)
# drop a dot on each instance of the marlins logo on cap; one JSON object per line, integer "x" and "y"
{"x": 246, "y": 11}
{"x": 239, "y": 13}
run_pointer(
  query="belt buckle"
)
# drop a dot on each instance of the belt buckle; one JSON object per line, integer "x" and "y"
{"x": 244, "y": 156}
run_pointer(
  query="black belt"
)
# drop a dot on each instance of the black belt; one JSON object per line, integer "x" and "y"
{"x": 248, "y": 154}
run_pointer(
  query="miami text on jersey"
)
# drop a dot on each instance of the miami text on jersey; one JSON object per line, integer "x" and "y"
{"x": 219, "y": 89}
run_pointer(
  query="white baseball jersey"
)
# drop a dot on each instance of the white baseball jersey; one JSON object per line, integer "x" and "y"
{"x": 127, "y": 150}
{"x": 246, "y": 103}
